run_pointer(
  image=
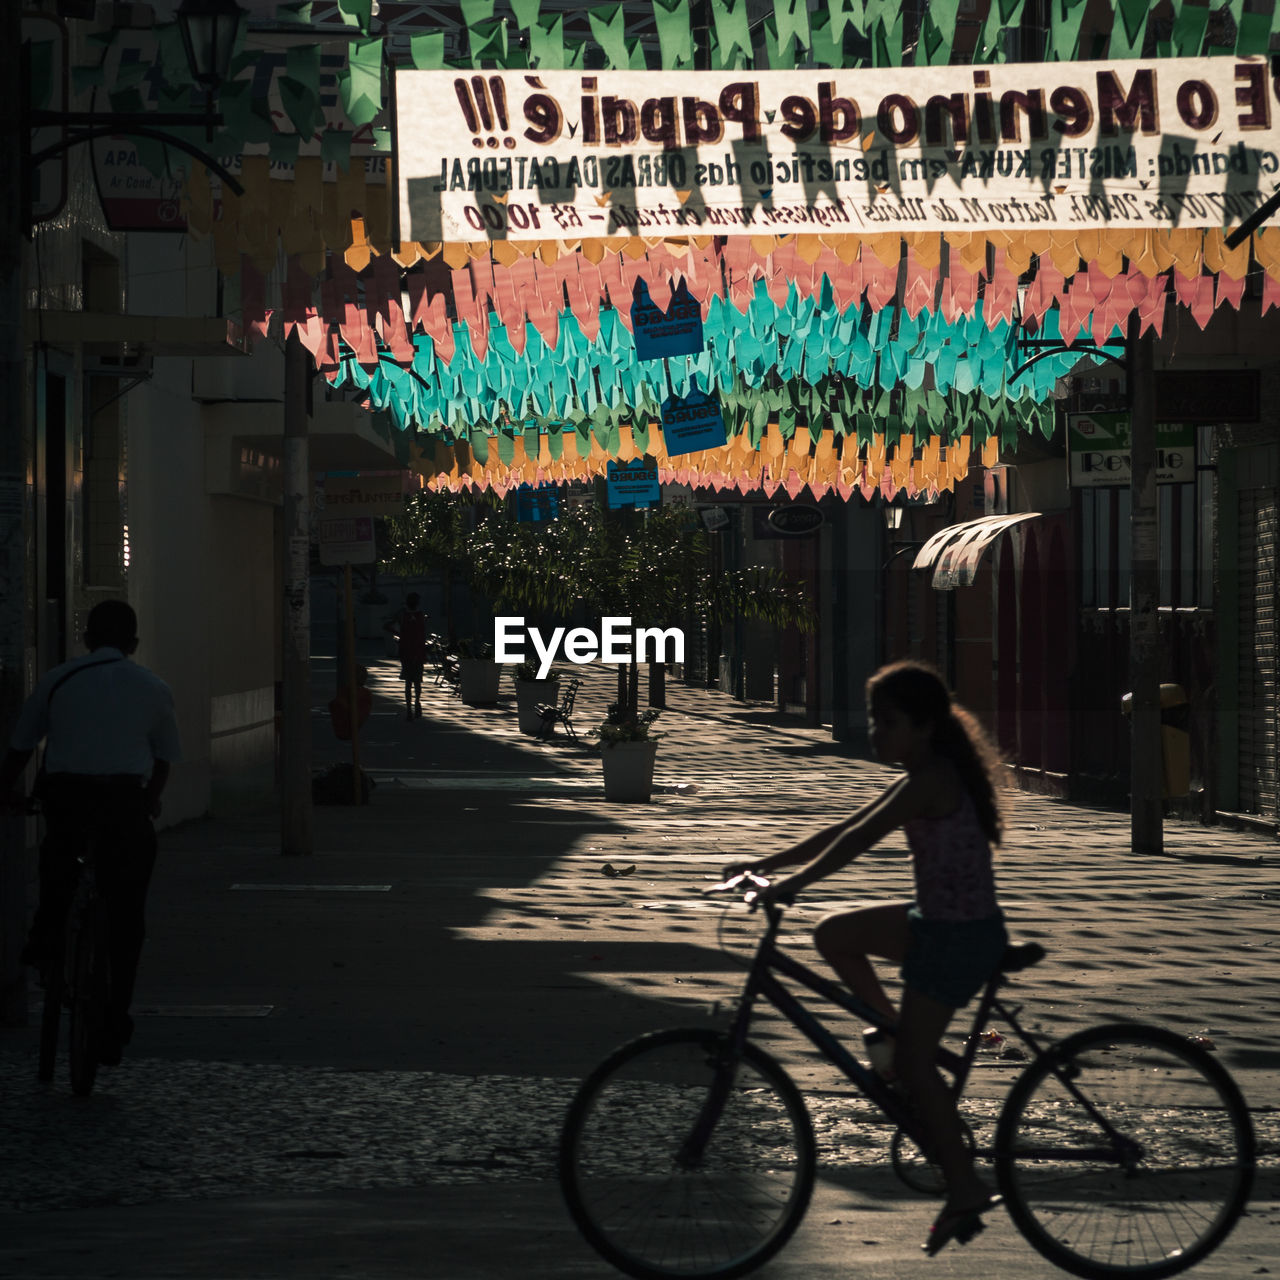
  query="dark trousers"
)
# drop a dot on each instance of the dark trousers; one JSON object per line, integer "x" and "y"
{"x": 112, "y": 813}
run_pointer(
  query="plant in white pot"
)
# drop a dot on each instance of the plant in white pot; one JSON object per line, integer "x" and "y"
{"x": 627, "y": 752}
{"x": 479, "y": 676}
{"x": 532, "y": 693}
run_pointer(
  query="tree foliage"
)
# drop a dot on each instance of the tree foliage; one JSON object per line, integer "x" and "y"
{"x": 652, "y": 568}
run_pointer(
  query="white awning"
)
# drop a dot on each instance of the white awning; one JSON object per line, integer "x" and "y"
{"x": 955, "y": 552}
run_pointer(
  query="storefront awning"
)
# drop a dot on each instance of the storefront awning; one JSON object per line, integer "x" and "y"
{"x": 955, "y": 552}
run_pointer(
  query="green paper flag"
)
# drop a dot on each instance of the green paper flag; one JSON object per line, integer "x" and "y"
{"x": 284, "y": 148}
{"x": 356, "y": 13}
{"x": 792, "y": 17}
{"x": 526, "y": 12}
{"x": 83, "y": 78}
{"x": 360, "y": 84}
{"x": 1129, "y": 28}
{"x": 733, "y": 28}
{"x": 1254, "y": 34}
{"x": 427, "y": 51}
{"x": 675, "y": 37}
{"x": 546, "y": 43}
{"x": 938, "y": 32}
{"x": 300, "y": 13}
{"x": 1064, "y": 29}
{"x": 823, "y": 50}
{"x": 335, "y": 148}
{"x": 302, "y": 63}
{"x": 301, "y": 104}
{"x": 1003, "y": 16}
{"x": 488, "y": 41}
{"x": 608, "y": 26}
{"x": 475, "y": 12}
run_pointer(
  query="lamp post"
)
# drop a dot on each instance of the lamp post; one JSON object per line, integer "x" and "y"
{"x": 210, "y": 29}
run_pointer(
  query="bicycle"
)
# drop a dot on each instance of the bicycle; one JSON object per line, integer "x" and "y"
{"x": 1123, "y": 1150}
{"x": 79, "y": 979}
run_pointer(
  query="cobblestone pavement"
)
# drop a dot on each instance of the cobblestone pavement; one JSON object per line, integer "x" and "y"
{"x": 1187, "y": 939}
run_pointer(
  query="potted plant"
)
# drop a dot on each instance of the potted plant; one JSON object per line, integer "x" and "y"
{"x": 627, "y": 752}
{"x": 479, "y": 676}
{"x": 532, "y": 693}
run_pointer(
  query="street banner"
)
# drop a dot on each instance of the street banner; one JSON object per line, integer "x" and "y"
{"x": 1158, "y": 142}
{"x": 1098, "y": 446}
{"x": 364, "y": 495}
{"x": 348, "y": 540}
{"x": 631, "y": 484}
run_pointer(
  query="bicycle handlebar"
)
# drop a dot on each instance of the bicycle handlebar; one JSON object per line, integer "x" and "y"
{"x": 752, "y": 895}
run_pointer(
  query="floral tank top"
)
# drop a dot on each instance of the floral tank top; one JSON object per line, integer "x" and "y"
{"x": 951, "y": 857}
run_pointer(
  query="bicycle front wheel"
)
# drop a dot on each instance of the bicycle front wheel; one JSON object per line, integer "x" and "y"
{"x": 677, "y": 1162}
{"x": 1125, "y": 1151}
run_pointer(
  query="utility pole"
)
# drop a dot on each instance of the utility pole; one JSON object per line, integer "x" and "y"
{"x": 13, "y": 477}
{"x": 295, "y": 727}
{"x": 1146, "y": 774}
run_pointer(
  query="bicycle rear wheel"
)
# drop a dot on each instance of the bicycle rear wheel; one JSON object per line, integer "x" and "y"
{"x": 90, "y": 992}
{"x": 1125, "y": 1151}
{"x": 656, "y": 1202}
{"x": 50, "y": 1019}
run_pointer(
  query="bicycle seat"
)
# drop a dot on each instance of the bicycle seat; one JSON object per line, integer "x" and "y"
{"x": 1021, "y": 955}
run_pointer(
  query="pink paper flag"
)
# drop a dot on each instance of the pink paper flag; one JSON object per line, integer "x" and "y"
{"x": 1270, "y": 292}
{"x": 1229, "y": 290}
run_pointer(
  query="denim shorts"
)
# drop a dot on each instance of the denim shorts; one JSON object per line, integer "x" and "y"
{"x": 951, "y": 960}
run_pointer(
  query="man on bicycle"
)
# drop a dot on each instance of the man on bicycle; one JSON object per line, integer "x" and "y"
{"x": 110, "y": 737}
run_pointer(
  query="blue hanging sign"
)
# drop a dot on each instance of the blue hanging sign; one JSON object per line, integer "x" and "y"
{"x": 677, "y": 331}
{"x": 537, "y": 505}
{"x": 692, "y": 423}
{"x": 632, "y": 483}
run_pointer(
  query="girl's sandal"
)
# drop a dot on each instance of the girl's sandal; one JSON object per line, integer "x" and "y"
{"x": 957, "y": 1224}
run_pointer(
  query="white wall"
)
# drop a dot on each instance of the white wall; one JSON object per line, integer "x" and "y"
{"x": 202, "y": 573}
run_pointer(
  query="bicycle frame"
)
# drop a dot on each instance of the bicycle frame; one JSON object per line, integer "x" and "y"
{"x": 763, "y": 981}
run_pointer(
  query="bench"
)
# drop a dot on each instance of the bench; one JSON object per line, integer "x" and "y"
{"x": 562, "y": 712}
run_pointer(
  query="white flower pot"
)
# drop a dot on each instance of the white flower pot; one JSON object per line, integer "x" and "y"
{"x": 531, "y": 694}
{"x": 480, "y": 679}
{"x": 628, "y": 770}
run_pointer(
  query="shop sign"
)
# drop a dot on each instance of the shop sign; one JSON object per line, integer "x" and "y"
{"x": 364, "y": 495}
{"x": 346, "y": 540}
{"x": 1098, "y": 448}
{"x": 797, "y": 519}
{"x": 631, "y": 484}
{"x": 1147, "y": 143}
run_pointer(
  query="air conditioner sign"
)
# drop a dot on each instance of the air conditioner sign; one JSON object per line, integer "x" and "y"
{"x": 1099, "y": 449}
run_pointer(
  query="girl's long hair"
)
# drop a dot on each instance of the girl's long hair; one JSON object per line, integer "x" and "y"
{"x": 922, "y": 695}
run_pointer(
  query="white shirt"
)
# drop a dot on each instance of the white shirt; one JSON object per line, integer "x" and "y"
{"x": 112, "y": 717}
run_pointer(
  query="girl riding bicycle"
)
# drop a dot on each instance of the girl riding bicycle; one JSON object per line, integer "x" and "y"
{"x": 948, "y": 941}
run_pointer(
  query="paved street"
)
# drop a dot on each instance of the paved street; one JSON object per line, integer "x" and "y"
{"x": 355, "y": 1064}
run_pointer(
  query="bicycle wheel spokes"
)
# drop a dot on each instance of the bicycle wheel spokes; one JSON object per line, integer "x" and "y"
{"x": 1128, "y": 1151}
{"x": 671, "y": 1170}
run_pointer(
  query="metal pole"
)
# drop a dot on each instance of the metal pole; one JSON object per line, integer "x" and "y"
{"x": 349, "y": 630}
{"x": 295, "y": 729}
{"x": 13, "y": 474}
{"x": 1145, "y": 770}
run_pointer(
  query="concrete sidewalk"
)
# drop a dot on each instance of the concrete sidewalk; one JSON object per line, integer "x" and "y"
{"x": 355, "y": 1064}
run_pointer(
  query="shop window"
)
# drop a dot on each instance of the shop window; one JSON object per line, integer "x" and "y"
{"x": 1186, "y": 540}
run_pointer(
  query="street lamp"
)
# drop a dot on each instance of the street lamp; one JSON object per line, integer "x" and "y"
{"x": 209, "y": 30}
